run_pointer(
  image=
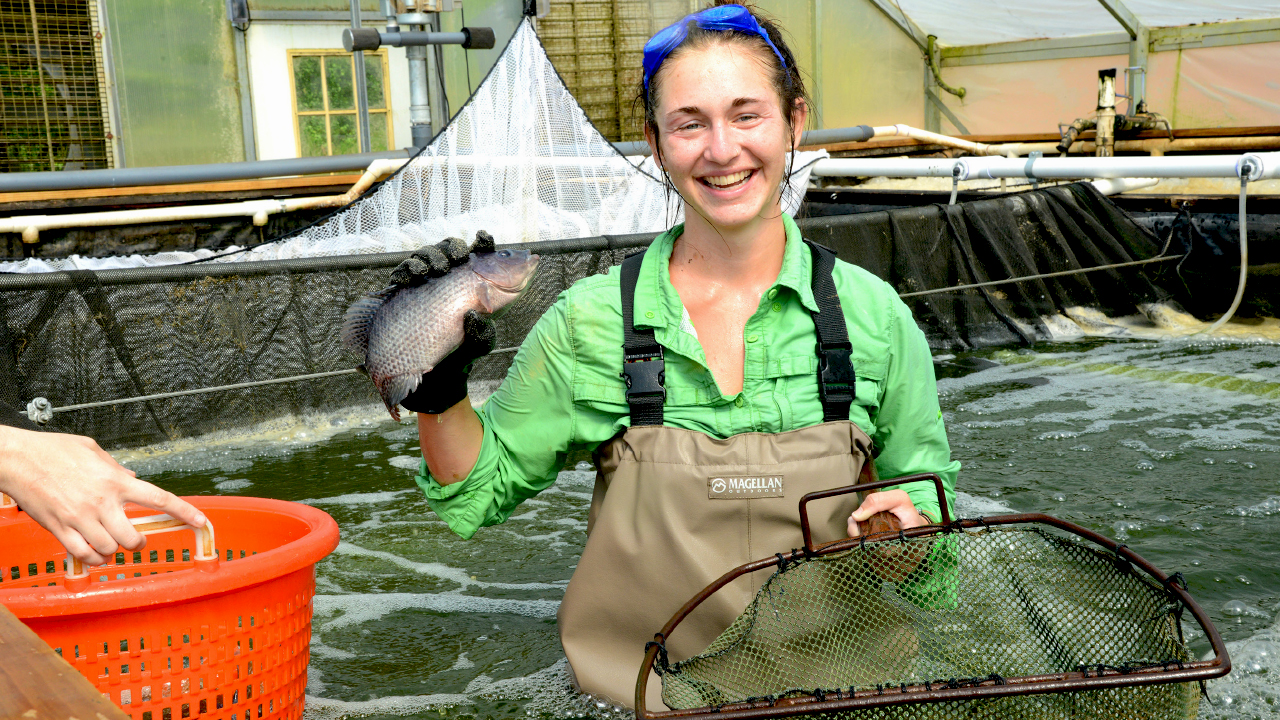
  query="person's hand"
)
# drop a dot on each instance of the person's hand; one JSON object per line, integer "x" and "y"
{"x": 894, "y": 502}
{"x": 432, "y": 261}
{"x": 76, "y": 491}
{"x": 890, "y": 510}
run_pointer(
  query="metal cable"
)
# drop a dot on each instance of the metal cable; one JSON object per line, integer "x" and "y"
{"x": 46, "y": 409}
{"x": 989, "y": 283}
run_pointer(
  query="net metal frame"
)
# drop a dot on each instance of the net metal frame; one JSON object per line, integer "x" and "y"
{"x": 825, "y": 702}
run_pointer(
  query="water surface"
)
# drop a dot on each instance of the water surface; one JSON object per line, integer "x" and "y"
{"x": 1172, "y": 447}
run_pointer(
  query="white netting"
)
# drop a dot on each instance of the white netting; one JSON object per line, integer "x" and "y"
{"x": 520, "y": 160}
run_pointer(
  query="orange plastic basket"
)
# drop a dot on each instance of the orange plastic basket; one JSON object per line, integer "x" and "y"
{"x": 166, "y": 634}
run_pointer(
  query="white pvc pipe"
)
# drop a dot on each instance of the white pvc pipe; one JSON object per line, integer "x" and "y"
{"x": 32, "y": 225}
{"x": 1265, "y": 166}
{"x": 1115, "y": 186}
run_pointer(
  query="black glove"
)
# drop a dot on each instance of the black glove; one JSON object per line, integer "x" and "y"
{"x": 446, "y": 384}
{"x": 432, "y": 261}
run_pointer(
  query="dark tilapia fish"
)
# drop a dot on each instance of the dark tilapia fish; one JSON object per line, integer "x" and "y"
{"x": 404, "y": 332}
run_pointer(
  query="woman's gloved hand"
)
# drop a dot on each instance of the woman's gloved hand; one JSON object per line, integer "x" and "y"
{"x": 432, "y": 261}
{"x": 446, "y": 384}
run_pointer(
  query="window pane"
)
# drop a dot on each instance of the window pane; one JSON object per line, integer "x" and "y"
{"x": 311, "y": 136}
{"x": 306, "y": 83}
{"x": 373, "y": 82}
{"x": 346, "y": 139}
{"x": 337, "y": 71}
{"x": 378, "y": 139}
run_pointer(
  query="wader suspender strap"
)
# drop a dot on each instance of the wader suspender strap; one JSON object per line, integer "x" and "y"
{"x": 642, "y": 365}
{"x": 835, "y": 366}
{"x": 644, "y": 370}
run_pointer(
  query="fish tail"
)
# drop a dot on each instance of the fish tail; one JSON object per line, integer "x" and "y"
{"x": 394, "y": 389}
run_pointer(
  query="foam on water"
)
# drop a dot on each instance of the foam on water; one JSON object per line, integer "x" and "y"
{"x": 360, "y": 608}
{"x": 1252, "y": 690}
{"x": 436, "y": 570}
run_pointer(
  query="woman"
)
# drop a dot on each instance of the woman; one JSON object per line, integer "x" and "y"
{"x": 717, "y": 416}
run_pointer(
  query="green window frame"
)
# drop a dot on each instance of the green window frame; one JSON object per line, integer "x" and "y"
{"x": 322, "y": 89}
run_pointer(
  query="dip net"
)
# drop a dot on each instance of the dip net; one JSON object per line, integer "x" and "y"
{"x": 1008, "y": 617}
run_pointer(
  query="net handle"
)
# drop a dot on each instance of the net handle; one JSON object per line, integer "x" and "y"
{"x": 205, "y": 556}
{"x": 869, "y": 487}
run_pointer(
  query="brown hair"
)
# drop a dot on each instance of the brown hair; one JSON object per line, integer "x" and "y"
{"x": 786, "y": 81}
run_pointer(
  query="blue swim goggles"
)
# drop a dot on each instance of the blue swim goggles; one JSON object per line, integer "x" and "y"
{"x": 721, "y": 18}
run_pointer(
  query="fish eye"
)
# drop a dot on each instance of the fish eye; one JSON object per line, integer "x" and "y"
{"x": 504, "y": 253}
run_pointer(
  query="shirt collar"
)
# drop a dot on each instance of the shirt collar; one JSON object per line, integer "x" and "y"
{"x": 657, "y": 304}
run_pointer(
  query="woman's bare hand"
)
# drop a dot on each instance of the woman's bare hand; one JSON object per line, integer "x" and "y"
{"x": 895, "y": 502}
{"x": 77, "y": 491}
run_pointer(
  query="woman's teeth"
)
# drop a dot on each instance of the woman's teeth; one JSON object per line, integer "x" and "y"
{"x": 724, "y": 181}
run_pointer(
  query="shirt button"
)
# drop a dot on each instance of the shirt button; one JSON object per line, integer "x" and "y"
{"x": 773, "y": 293}
{"x": 752, "y": 337}
{"x": 649, "y": 314}
{"x": 777, "y": 307}
{"x": 737, "y": 402}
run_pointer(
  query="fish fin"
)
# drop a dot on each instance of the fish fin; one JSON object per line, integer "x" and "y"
{"x": 359, "y": 317}
{"x": 399, "y": 387}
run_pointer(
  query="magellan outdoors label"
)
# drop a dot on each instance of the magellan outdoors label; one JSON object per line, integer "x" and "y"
{"x": 744, "y": 488}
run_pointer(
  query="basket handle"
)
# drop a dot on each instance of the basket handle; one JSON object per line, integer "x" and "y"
{"x": 878, "y": 524}
{"x": 206, "y": 553}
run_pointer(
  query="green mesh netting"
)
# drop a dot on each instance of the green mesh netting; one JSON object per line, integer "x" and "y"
{"x": 949, "y": 610}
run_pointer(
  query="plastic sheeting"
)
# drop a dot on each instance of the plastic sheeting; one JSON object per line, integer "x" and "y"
{"x": 1202, "y": 87}
{"x": 977, "y": 22}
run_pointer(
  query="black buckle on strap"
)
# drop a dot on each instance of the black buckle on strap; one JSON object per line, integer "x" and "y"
{"x": 835, "y": 373}
{"x": 645, "y": 374}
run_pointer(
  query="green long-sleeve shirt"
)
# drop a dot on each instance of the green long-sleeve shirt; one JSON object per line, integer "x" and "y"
{"x": 563, "y": 390}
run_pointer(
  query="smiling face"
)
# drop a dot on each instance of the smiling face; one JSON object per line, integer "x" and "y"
{"x": 722, "y": 135}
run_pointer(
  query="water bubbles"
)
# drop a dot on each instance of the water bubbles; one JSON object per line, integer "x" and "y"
{"x": 1060, "y": 497}
{"x": 369, "y": 454}
{"x": 1162, "y": 519}
{"x": 1058, "y": 435}
{"x": 1250, "y": 465}
{"x": 1208, "y": 461}
{"x": 1239, "y": 608}
{"x": 1082, "y": 448}
{"x": 1196, "y": 527}
{"x": 1124, "y": 527}
{"x": 1119, "y": 504}
{"x": 233, "y": 485}
{"x": 583, "y": 466}
{"x": 395, "y": 446}
{"x": 1145, "y": 465}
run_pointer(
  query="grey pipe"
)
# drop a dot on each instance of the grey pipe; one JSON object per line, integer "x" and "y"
{"x": 180, "y": 174}
{"x": 859, "y": 133}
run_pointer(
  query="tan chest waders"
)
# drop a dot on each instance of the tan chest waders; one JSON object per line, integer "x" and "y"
{"x": 675, "y": 509}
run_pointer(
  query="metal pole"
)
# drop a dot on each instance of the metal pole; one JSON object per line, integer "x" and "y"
{"x": 438, "y": 119}
{"x": 419, "y": 100}
{"x": 44, "y": 101}
{"x": 362, "y": 93}
{"x": 246, "y": 95}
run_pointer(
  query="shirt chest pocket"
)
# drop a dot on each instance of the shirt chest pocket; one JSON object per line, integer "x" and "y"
{"x": 796, "y": 393}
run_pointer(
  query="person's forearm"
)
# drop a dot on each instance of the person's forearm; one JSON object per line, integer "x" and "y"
{"x": 451, "y": 442}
